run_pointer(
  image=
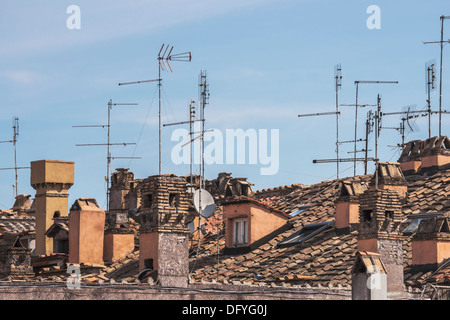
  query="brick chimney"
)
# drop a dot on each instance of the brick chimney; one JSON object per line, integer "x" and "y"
{"x": 388, "y": 175}
{"x": 347, "y": 205}
{"x": 51, "y": 179}
{"x": 435, "y": 155}
{"x": 410, "y": 160}
{"x": 121, "y": 182}
{"x": 431, "y": 244}
{"x": 86, "y": 232}
{"x": 119, "y": 237}
{"x": 379, "y": 220}
{"x": 164, "y": 236}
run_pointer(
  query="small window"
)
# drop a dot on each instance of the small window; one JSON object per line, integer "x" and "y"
{"x": 148, "y": 264}
{"x": 148, "y": 201}
{"x": 173, "y": 199}
{"x": 389, "y": 215}
{"x": 240, "y": 232}
{"x": 367, "y": 215}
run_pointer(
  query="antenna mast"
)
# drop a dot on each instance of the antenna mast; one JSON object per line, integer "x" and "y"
{"x": 356, "y": 105}
{"x": 440, "y": 71}
{"x": 338, "y": 84}
{"x": 164, "y": 56}
{"x": 14, "y": 142}
{"x": 108, "y": 144}
{"x": 430, "y": 86}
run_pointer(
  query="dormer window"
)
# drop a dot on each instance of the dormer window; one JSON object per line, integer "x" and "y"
{"x": 240, "y": 232}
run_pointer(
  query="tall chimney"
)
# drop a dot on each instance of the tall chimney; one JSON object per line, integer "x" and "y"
{"x": 379, "y": 220}
{"x": 86, "y": 232}
{"x": 51, "y": 179}
{"x": 164, "y": 236}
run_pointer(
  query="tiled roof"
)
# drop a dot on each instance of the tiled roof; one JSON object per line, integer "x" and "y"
{"x": 17, "y": 224}
{"x": 327, "y": 257}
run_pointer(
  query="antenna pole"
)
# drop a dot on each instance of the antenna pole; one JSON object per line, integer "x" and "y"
{"x": 356, "y": 125}
{"x": 159, "y": 109}
{"x": 440, "y": 73}
{"x": 164, "y": 56}
{"x": 356, "y": 110}
{"x": 338, "y": 78}
{"x": 16, "y": 134}
{"x": 108, "y": 144}
{"x": 367, "y": 142}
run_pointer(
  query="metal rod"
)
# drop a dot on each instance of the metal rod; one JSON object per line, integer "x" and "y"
{"x": 16, "y": 133}
{"x": 317, "y": 114}
{"x": 343, "y": 160}
{"x": 338, "y": 85}
{"x": 135, "y": 82}
{"x": 105, "y": 144}
{"x": 181, "y": 122}
{"x": 92, "y": 126}
{"x": 18, "y": 168}
{"x": 351, "y": 141}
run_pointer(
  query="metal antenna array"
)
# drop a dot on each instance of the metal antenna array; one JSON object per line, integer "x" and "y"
{"x": 441, "y": 42}
{"x": 430, "y": 86}
{"x": 405, "y": 125}
{"x": 337, "y": 85}
{"x": 14, "y": 142}
{"x": 356, "y": 105}
{"x": 191, "y": 122}
{"x": 164, "y": 56}
{"x": 108, "y": 144}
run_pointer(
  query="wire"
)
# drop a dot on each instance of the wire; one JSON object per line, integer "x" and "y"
{"x": 143, "y": 126}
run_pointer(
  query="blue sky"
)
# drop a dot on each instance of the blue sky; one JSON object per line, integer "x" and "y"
{"x": 267, "y": 61}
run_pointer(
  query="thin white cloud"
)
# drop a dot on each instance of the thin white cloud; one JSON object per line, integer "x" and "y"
{"x": 41, "y": 26}
{"x": 21, "y": 76}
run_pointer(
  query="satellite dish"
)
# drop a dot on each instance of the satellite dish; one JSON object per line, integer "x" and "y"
{"x": 207, "y": 203}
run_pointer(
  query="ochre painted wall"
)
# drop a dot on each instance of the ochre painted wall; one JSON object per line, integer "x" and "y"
{"x": 86, "y": 236}
{"x": 117, "y": 245}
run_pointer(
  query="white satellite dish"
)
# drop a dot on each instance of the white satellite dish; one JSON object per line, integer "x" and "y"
{"x": 207, "y": 203}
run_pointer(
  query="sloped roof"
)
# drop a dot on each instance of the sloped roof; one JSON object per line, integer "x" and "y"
{"x": 327, "y": 257}
{"x": 17, "y": 224}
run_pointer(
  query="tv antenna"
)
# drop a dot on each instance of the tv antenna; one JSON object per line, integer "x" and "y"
{"x": 441, "y": 42}
{"x": 191, "y": 121}
{"x": 14, "y": 142}
{"x": 430, "y": 76}
{"x": 337, "y": 86}
{"x": 164, "y": 56}
{"x": 356, "y": 105}
{"x": 406, "y": 126}
{"x": 108, "y": 144}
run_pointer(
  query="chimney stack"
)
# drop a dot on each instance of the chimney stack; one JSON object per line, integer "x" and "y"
{"x": 388, "y": 175}
{"x": 86, "y": 229}
{"x": 379, "y": 220}
{"x": 431, "y": 244}
{"x": 51, "y": 179}
{"x": 410, "y": 160}
{"x": 347, "y": 205}
{"x": 435, "y": 155}
{"x": 164, "y": 236}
